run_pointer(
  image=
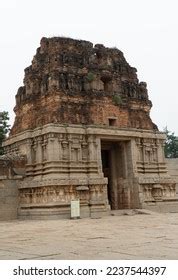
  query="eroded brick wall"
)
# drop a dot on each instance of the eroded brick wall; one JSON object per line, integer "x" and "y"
{"x": 73, "y": 82}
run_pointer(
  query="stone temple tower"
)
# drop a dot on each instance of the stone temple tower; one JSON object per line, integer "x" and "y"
{"x": 83, "y": 124}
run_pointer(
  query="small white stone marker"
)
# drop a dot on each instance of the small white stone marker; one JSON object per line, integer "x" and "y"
{"x": 75, "y": 209}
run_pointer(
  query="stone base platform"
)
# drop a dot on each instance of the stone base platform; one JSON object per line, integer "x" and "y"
{"x": 56, "y": 211}
{"x": 168, "y": 206}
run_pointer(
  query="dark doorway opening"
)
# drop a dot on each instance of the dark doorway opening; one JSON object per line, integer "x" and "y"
{"x": 118, "y": 168}
{"x": 112, "y": 122}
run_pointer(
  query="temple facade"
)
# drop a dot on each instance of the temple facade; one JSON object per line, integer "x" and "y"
{"x": 83, "y": 127}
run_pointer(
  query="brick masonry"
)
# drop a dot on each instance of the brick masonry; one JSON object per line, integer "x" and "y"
{"x": 79, "y": 83}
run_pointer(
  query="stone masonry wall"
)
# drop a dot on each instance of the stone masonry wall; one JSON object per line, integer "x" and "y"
{"x": 11, "y": 174}
{"x": 8, "y": 198}
{"x": 172, "y": 165}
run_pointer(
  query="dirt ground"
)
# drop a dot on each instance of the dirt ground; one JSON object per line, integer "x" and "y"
{"x": 129, "y": 236}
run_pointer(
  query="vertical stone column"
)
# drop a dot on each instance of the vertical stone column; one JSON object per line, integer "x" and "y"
{"x": 69, "y": 147}
{"x": 162, "y": 167}
{"x": 29, "y": 151}
{"x": 55, "y": 148}
{"x": 144, "y": 153}
{"x": 39, "y": 150}
{"x": 130, "y": 195}
{"x": 84, "y": 151}
{"x": 113, "y": 177}
{"x": 160, "y": 145}
{"x": 93, "y": 155}
{"x": 34, "y": 148}
{"x": 44, "y": 149}
{"x": 92, "y": 148}
{"x": 80, "y": 148}
{"x": 139, "y": 150}
{"x": 132, "y": 157}
{"x": 98, "y": 156}
{"x": 60, "y": 147}
{"x": 50, "y": 147}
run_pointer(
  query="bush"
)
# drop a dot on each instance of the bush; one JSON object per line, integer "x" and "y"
{"x": 90, "y": 77}
{"x": 171, "y": 144}
{"x": 4, "y": 128}
{"x": 117, "y": 99}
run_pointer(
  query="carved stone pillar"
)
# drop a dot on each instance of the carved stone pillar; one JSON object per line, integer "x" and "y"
{"x": 161, "y": 151}
{"x": 29, "y": 151}
{"x": 44, "y": 150}
{"x": 50, "y": 147}
{"x": 34, "y": 148}
{"x": 60, "y": 148}
{"x": 92, "y": 155}
{"x": 131, "y": 157}
{"x": 39, "y": 151}
{"x": 55, "y": 149}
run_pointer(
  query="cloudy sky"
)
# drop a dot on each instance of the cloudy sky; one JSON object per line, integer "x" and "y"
{"x": 145, "y": 30}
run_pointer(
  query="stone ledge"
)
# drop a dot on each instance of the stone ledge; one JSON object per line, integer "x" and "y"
{"x": 85, "y": 129}
{"x": 160, "y": 180}
{"x": 63, "y": 182}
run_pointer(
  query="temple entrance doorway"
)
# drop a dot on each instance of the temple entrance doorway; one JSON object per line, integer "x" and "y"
{"x": 115, "y": 167}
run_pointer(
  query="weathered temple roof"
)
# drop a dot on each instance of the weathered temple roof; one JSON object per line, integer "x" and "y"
{"x": 73, "y": 82}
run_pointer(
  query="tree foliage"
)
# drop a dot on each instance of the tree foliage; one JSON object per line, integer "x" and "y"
{"x": 171, "y": 144}
{"x": 4, "y": 128}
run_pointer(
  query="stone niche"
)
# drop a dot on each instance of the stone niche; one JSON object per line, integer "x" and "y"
{"x": 83, "y": 125}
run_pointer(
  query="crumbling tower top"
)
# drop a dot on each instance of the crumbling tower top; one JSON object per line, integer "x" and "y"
{"x": 73, "y": 82}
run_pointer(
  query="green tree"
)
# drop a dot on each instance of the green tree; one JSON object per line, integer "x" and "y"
{"x": 171, "y": 144}
{"x": 4, "y": 128}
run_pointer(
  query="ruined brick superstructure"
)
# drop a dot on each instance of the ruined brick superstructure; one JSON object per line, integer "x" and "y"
{"x": 83, "y": 123}
{"x": 80, "y": 84}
